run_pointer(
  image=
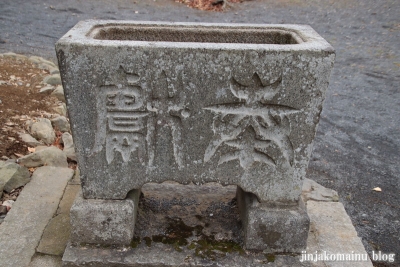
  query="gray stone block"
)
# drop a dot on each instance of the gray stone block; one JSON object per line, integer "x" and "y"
{"x": 42, "y": 130}
{"x": 59, "y": 93}
{"x": 106, "y": 222}
{"x": 55, "y": 236}
{"x": 23, "y": 227}
{"x": 61, "y": 123}
{"x": 335, "y": 234}
{"x": 314, "y": 191}
{"x": 40, "y": 260}
{"x": 229, "y": 103}
{"x": 69, "y": 149}
{"x": 12, "y": 176}
{"x": 50, "y": 156}
{"x": 273, "y": 228}
{"x": 29, "y": 140}
{"x": 53, "y": 79}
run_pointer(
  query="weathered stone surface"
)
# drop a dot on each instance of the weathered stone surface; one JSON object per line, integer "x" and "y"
{"x": 61, "y": 123}
{"x": 54, "y": 70}
{"x": 107, "y": 222}
{"x": 35, "y": 59}
{"x": 158, "y": 256}
{"x": 46, "y": 89}
{"x": 234, "y": 104}
{"x": 45, "y": 261}
{"x": 76, "y": 180}
{"x": 68, "y": 198}
{"x": 55, "y": 236}
{"x": 14, "y": 55}
{"x": 12, "y": 176}
{"x": 59, "y": 93}
{"x": 23, "y": 227}
{"x": 61, "y": 109}
{"x": 43, "y": 130}
{"x": 38, "y": 148}
{"x": 314, "y": 191}
{"x": 9, "y": 54}
{"x": 272, "y": 229}
{"x": 29, "y": 140}
{"x": 50, "y": 156}
{"x": 53, "y": 79}
{"x": 335, "y": 233}
{"x": 69, "y": 149}
{"x": 194, "y": 205}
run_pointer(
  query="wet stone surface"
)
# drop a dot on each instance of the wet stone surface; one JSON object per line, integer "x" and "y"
{"x": 193, "y": 226}
{"x": 210, "y": 228}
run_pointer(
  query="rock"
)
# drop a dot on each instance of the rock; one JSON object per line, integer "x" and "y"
{"x": 1, "y": 101}
{"x": 59, "y": 93}
{"x": 29, "y": 123}
{"x": 61, "y": 109}
{"x": 3, "y": 210}
{"x": 38, "y": 148}
{"x": 48, "y": 63}
{"x": 29, "y": 140}
{"x": 3, "y": 82}
{"x": 54, "y": 70}
{"x": 50, "y": 156}
{"x": 69, "y": 148}
{"x": 43, "y": 130}
{"x": 61, "y": 123}
{"x": 41, "y": 61}
{"x": 13, "y": 176}
{"x": 46, "y": 89}
{"x": 8, "y": 204}
{"x": 21, "y": 57}
{"x": 13, "y": 55}
{"x": 314, "y": 191}
{"x": 35, "y": 59}
{"x": 52, "y": 79}
{"x": 9, "y": 54}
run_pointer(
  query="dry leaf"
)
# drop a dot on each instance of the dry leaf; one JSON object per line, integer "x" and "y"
{"x": 31, "y": 149}
{"x": 377, "y": 189}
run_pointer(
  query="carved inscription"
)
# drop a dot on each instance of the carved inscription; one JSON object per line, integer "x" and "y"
{"x": 127, "y": 125}
{"x": 254, "y": 128}
{"x": 122, "y": 117}
{"x": 168, "y": 110}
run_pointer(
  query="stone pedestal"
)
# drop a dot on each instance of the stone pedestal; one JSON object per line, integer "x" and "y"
{"x": 273, "y": 227}
{"x": 104, "y": 222}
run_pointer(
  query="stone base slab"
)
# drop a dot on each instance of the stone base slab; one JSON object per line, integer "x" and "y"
{"x": 170, "y": 227}
{"x": 160, "y": 255}
{"x": 271, "y": 228}
{"x": 105, "y": 222}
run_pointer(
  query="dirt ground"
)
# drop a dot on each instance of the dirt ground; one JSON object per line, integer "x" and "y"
{"x": 20, "y": 101}
{"x": 20, "y": 82}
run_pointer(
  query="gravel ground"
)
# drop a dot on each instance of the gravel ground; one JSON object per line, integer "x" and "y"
{"x": 357, "y": 146}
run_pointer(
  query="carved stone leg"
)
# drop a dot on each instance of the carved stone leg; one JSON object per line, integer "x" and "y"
{"x": 272, "y": 228}
{"x": 106, "y": 222}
